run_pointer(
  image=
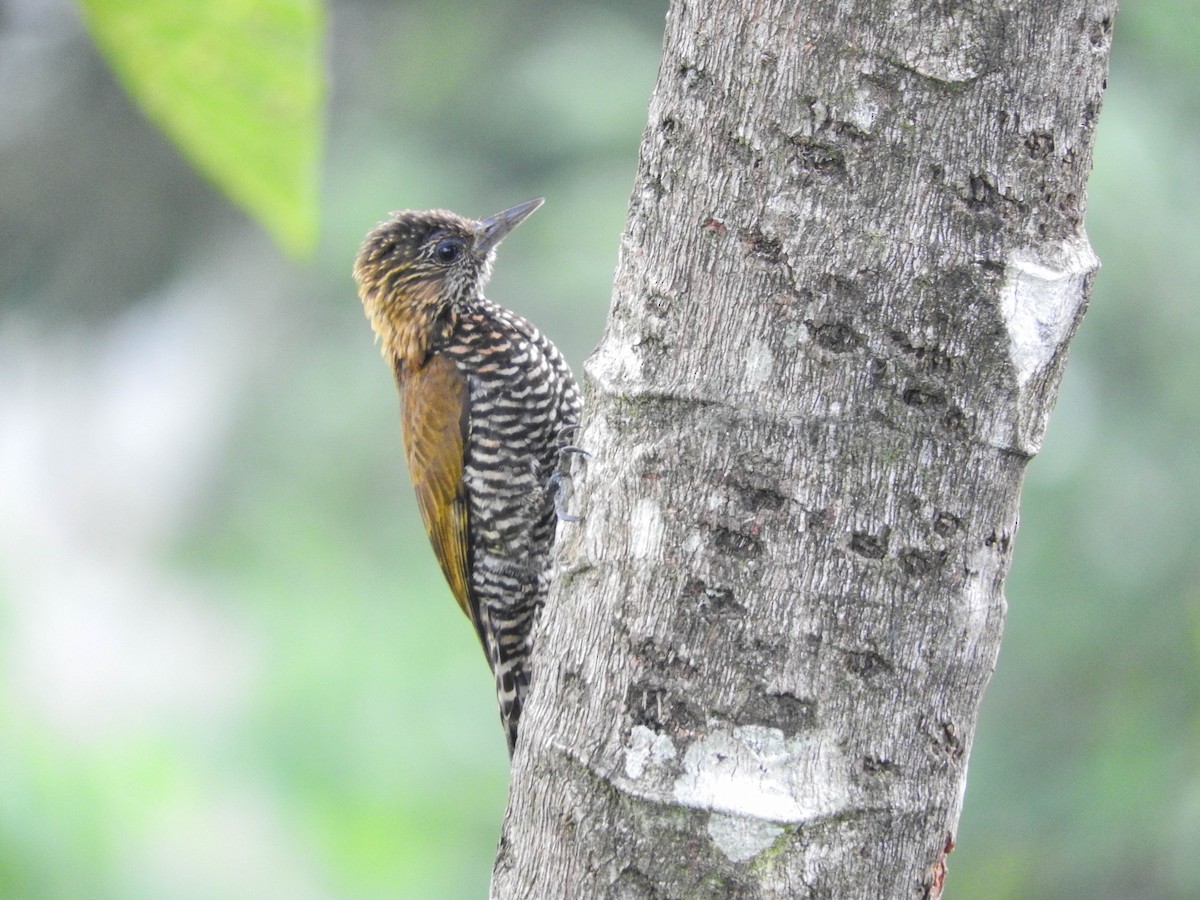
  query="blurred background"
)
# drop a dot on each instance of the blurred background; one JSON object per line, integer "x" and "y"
{"x": 228, "y": 664}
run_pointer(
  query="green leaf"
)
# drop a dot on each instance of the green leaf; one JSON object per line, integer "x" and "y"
{"x": 239, "y": 85}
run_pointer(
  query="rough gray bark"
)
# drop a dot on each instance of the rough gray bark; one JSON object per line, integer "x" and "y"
{"x": 853, "y": 262}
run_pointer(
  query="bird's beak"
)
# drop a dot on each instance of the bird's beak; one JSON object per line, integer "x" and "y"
{"x": 492, "y": 230}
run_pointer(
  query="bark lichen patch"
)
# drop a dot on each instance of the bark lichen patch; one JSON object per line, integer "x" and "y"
{"x": 646, "y": 747}
{"x": 742, "y": 839}
{"x": 756, "y": 772}
{"x": 864, "y": 110}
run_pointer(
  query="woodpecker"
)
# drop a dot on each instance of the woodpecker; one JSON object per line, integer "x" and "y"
{"x": 487, "y": 407}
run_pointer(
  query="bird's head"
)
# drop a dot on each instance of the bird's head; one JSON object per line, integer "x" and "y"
{"x": 415, "y": 270}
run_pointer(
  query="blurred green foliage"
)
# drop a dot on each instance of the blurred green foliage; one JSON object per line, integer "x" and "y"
{"x": 228, "y": 665}
{"x": 239, "y": 86}
{"x": 1085, "y": 772}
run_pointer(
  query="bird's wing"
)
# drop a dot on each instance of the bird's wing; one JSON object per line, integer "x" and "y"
{"x": 434, "y": 422}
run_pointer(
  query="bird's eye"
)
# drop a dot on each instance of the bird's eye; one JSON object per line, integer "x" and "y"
{"x": 447, "y": 250}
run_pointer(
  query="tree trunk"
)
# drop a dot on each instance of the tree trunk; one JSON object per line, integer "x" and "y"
{"x": 854, "y": 258}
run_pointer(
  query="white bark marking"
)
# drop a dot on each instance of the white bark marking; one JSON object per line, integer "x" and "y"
{"x": 984, "y": 574}
{"x": 645, "y": 529}
{"x": 864, "y": 111}
{"x": 759, "y": 363}
{"x": 646, "y": 746}
{"x": 1040, "y": 301}
{"x": 616, "y": 362}
{"x": 755, "y": 772}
